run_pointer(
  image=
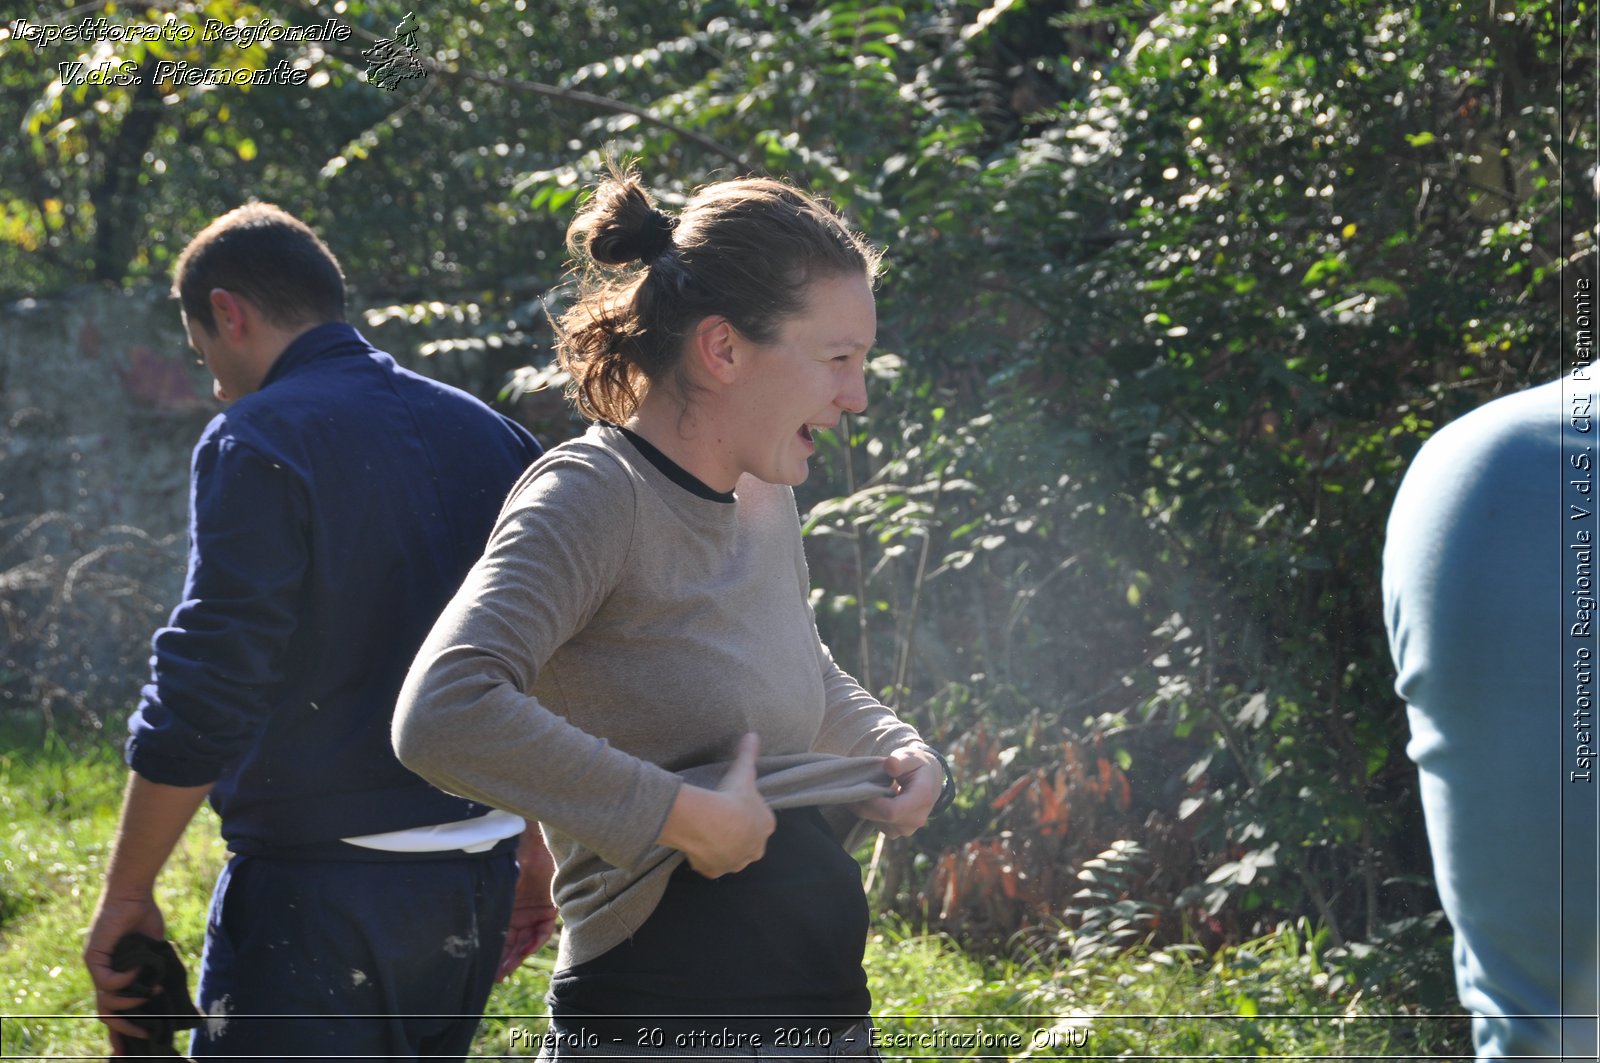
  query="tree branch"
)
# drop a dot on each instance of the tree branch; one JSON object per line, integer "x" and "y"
{"x": 603, "y": 103}
{"x": 539, "y": 88}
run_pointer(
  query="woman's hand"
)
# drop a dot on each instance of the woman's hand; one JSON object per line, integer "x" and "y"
{"x": 918, "y": 778}
{"x": 723, "y": 830}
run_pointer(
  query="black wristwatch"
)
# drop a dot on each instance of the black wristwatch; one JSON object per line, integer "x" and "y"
{"x": 947, "y": 795}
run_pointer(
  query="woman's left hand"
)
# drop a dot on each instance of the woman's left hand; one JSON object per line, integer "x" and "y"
{"x": 918, "y": 777}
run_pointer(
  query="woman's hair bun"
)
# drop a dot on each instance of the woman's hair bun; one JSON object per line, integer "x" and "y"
{"x": 657, "y": 235}
{"x": 620, "y": 224}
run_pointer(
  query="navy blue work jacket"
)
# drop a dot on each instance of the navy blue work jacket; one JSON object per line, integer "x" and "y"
{"x": 333, "y": 513}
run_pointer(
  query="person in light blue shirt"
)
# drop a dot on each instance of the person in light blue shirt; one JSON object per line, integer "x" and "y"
{"x": 1489, "y": 587}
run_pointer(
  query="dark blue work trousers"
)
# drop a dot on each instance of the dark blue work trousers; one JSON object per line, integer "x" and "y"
{"x": 390, "y": 959}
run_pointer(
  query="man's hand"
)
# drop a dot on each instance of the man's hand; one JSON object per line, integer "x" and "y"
{"x": 114, "y": 917}
{"x": 533, "y": 914}
{"x": 918, "y": 778}
{"x": 153, "y": 818}
{"x": 723, "y": 830}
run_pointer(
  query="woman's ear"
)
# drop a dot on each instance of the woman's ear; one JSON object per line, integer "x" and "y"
{"x": 714, "y": 348}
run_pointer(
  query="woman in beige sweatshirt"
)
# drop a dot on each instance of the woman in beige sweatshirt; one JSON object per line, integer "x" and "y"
{"x": 634, "y": 663}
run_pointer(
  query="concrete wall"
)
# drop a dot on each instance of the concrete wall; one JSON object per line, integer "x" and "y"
{"x": 101, "y": 402}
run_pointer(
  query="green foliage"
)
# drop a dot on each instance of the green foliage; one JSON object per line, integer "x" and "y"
{"x": 1109, "y": 917}
{"x": 1174, "y": 340}
{"x": 413, "y": 187}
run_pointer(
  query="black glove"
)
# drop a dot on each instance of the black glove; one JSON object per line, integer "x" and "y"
{"x": 162, "y": 980}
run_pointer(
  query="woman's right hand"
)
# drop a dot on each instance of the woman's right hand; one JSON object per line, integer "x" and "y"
{"x": 723, "y": 830}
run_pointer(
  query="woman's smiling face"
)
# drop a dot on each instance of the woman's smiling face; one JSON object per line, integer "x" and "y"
{"x": 811, "y": 374}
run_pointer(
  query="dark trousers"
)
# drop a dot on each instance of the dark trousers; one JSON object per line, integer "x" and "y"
{"x": 391, "y": 959}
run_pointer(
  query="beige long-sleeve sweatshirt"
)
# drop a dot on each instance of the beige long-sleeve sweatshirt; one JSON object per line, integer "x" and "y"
{"x": 616, "y": 639}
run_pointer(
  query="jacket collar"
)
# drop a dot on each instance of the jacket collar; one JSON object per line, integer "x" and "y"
{"x": 328, "y": 340}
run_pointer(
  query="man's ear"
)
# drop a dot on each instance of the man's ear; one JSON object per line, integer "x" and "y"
{"x": 228, "y": 311}
{"x": 714, "y": 348}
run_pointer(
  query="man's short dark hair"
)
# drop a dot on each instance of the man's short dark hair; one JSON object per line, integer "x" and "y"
{"x": 267, "y": 255}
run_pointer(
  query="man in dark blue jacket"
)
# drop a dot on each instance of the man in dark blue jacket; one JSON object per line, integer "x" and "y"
{"x": 335, "y": 507}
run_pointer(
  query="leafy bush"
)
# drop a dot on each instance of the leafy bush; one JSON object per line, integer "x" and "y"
{"x": 1162, "y": 351}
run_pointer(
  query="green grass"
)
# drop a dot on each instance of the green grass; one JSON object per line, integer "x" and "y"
{"x": 1273, "y": 997}
{"x": 1284, "y": 995}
